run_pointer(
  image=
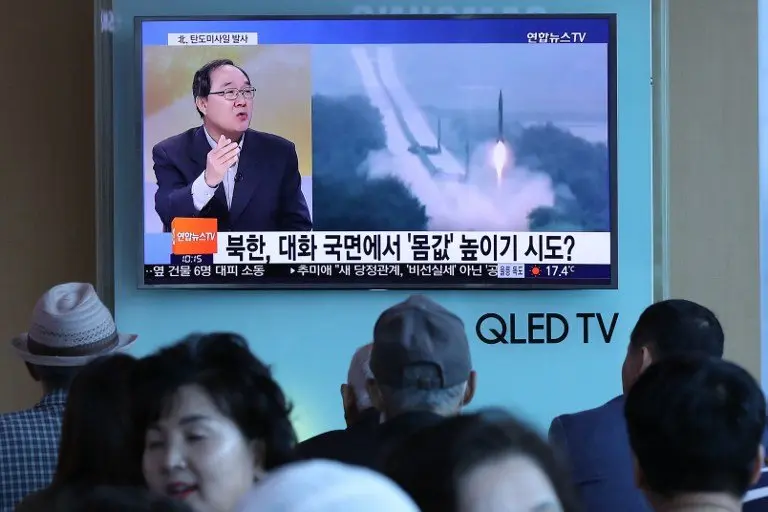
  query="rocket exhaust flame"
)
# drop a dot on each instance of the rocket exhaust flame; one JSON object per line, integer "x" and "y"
{"x": 499, "y": 159}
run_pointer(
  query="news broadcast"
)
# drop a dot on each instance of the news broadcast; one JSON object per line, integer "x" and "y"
{"x": 379, "y": 152}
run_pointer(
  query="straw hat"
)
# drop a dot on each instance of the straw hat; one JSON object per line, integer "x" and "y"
{"x": 70, "y": 327}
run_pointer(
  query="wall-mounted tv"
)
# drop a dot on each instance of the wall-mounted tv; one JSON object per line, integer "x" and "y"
{"x": 378, "y": 152}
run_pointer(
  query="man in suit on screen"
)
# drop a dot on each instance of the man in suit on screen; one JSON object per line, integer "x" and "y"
{"x": 248, "y": 180}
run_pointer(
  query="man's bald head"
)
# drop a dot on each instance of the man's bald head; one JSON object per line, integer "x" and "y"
{"x": 359, "y": 373}
{"x": 354, "y": 393}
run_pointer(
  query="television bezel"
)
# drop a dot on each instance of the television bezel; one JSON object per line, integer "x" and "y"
{"x": 502, "y": 284}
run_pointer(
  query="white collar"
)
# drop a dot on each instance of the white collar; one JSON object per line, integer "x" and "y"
{"x": 212, "y": 142}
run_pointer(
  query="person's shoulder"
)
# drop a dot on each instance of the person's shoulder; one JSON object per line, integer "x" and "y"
{"x": 38, "y": 501}
{"x": 272, "y": 141}
{"x": 42, "y": 420}
{"x": 325, "y": 435}
{"x": 594, "y": 443}
{"x": 334, "y": 444}
{"x": 321, "y": 439}
{"x": 608, "y": 412}
{"x": 180, "y": 140}
{"x": 16, "y": 424}
{"x": 757, "y": 495}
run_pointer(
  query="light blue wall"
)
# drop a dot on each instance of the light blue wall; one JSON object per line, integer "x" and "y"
{"x": 310, "y": 336}
{"x": 762, "y": 49}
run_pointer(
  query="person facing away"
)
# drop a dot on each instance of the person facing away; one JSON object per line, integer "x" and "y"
{"x": 483, "y": 462}
{"x": 70, "y": 326}
{"x": 248, "y": 180}
{"x": 99, "y": 445}
{"x": 422, "y": 372}
{"x": 358, "y": 408}
{"x": 359, "y": 414}
{"x": 214, "y": 421}
{"x": 695, "y": 427}
{"x": 595, "y": 441}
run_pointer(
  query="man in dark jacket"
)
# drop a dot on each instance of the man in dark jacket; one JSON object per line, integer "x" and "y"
{"x": 595, "y": 441}
{"x": 422, "y": 372}
{"x": 359, "y": 413}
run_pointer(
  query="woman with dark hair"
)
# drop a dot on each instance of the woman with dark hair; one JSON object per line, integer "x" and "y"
{"x": 98, "y": 443}
{"x": 214, "y": 421}
{"x": 486, "y": 462}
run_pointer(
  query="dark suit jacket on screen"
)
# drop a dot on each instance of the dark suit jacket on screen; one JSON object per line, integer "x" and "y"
{"x": 596, "y": 445}
{"x": 267, "y": 196}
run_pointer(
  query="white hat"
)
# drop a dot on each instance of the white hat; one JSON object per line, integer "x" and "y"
{"x": 70, "y": 327}
{"x": 326, "y": 486}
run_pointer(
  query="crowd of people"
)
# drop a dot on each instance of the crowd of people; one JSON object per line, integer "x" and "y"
{"x": 202, "y": 425}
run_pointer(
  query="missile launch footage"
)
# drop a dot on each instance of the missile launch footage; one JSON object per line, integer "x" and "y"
{"x": 461, "y": 137}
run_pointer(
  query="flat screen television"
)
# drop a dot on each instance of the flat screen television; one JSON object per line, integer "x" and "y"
{"x": 378, "y": 152}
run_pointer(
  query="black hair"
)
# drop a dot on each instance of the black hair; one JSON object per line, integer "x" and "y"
{"x": 55, "y": 377}
{"x": 678, "y": 326}
{"x": 239, "y": 384}
{"x": 99, "y": 444}
{"x": 201, "y": 82}
{"x": 121, "y": 499}
{"x": 695, "y": 424}
{"x": 430, "y": 464}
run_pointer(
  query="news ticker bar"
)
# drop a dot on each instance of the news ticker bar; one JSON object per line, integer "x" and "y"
{"x": 371, "y": 273}
{"x": 368, "y": 30}
{"x": 593, "y": 248}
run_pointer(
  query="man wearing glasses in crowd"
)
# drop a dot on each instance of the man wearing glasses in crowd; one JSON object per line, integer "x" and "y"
{"x": 199, "y": 170}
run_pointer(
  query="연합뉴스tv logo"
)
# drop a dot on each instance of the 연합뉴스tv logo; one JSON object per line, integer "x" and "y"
{"x": 194, "y": 235}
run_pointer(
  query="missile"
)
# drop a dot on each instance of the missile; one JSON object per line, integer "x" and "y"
{"x": 500, "y": 134}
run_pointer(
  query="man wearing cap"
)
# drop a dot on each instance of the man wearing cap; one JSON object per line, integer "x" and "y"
{"x": 422, "y": 372}
{"x": 422, "y": 369}
{"x": 70, "y": 326}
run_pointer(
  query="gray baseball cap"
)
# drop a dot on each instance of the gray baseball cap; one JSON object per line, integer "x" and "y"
{"x": 420, "y": 344}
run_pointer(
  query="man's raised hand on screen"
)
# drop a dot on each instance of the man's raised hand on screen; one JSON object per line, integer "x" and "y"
{"x": 219, "y": 160}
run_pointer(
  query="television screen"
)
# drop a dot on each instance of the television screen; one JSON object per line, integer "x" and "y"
{"x": 379, "y": 152}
